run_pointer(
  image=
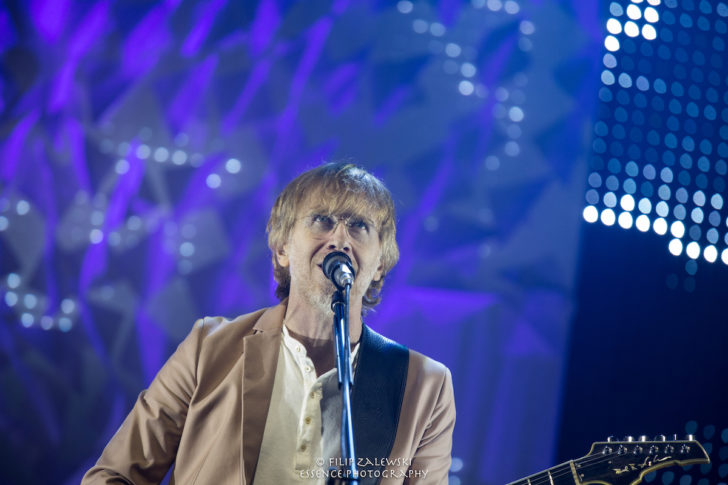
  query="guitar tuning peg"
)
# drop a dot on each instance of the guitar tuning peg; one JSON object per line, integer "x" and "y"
{"x": 674, "y": 437}
{"x": 643, "y": 437}
{"x": 610, "y": 439}
{"x": 689, "y": 437}
{"x": 629, "y": 438}
{"x": 660, "y": 437}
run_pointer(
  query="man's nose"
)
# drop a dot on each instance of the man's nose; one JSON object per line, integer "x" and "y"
{"x": 339, "y": 238}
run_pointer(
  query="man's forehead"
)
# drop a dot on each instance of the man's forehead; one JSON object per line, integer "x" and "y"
{"x": 340, "y": 204}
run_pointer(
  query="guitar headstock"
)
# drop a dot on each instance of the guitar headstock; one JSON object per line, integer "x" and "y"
{"x": 627, "y": 461}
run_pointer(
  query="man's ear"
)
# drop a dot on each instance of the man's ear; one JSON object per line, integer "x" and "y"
{"x": 282, "y": 256}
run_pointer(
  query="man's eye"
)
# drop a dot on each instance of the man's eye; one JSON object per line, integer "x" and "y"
{"x": 359, "y": 224}
{"x": 322, "y": 220}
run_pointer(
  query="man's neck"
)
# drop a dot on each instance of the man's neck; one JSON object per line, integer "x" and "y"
{"x": 315, "y": 322}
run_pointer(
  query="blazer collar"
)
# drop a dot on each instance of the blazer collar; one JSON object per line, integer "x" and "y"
{"x": 260, "y": 358}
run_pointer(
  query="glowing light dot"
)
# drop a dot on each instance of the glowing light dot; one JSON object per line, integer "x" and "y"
{"x": 625, "y": 220}
{"x": 213, "y": 181}
{"x": 651, "y": 15}
{"x": 420, "y": 26}
{"x": 404, "y": 6}
{"x": 143, "y": 151}
{"x": 631, "y": 29}
{"x": 675, "y": 247}
{"x": 693, "y": 250}
{"x": 642, "y": 223}
{"x": 527, "y": 27}
{"x": 233, "y": 165}
{"x": 122, "y": 166}
{"x": 468, "y": 70}
{"x": 452, "y": 49}
{"x": 660, "y": 226}
{"x": 699, "y": 198}
{"x": 512, "y": 148}
{"x": 653, "y": 2}
{"x": 96, "y": 236}
{"x": 662, "y": 209}
{"x": 437, "y": 29}
{"x": 591, "y": 214}
{"x": 179, "y": 157}
{"x": 67, "y": 306}
{"x": 11, "y": 298}
{"x": 495, "y": 5}
{"x": 64, "y": 324}
{"x": 515, "y": 114}
{"x": 97, "y": 218}
{"x": 511, "y": 7}
{"x": 13, "y": 280}
{"x": 608, "y": 217}
{"x": 4, "y": 223}
{"x": 627, "y": 202}
{"x": 611, "y": 43}
{"x": 22, "y": 207}
{"x": 710, "y": 254}
{"x": 717, "y": 201}
{"x": 30, "y": 301}
{"x": 634, "y": 12}
{"x": 466, "y": 88}
{"x": 645, "y": 205}
{"x": 724, "y": 256}
{"x": 697, "y": 215}
{"x": 614, "y": 26}
{"x": 610, "y": 200}
{"x": 161, "y": 154}
{"x": 677, "y": 229}
{"x": 134, "y": 223}
{"x": 187, "y": 249}
{"x": 649, "y": 32}
{"x": 46, "y": 322}
{"x": 27, "y": 319}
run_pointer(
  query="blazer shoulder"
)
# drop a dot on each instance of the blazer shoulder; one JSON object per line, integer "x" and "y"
{"x": 242, "y": 324}
{"x": 427, "y": 365}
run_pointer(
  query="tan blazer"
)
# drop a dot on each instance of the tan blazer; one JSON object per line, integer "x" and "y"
{"x": 205, "y": 411}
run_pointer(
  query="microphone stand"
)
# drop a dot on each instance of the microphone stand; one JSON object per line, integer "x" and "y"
{"x": 347, "y": 473}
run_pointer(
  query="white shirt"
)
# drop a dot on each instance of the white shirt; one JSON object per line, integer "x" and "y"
{"x": 302, "y": 430}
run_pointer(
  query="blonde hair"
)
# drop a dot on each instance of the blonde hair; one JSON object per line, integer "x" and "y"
{"x": 339, "y": 188}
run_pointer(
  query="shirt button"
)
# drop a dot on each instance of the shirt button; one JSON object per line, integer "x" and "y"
{"x": 307, "y": 420}
{"x": 298, "y": 348}
{"x": 303, "y": 447}
{"x": 308, "y": 368}
{"x": 312, "y": 395}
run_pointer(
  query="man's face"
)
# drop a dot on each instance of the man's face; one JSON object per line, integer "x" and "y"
{"x": 315, "y": 234}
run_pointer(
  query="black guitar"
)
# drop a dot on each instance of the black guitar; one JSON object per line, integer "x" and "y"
{"x": 621, "y": 462}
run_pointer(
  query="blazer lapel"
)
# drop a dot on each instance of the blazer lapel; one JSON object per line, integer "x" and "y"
{"x": 260, "y": 357}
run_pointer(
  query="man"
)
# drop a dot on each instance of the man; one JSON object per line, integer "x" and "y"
{"x": 255, "y": 399}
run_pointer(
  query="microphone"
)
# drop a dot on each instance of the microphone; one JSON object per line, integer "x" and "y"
{"x": 338, "y": 268}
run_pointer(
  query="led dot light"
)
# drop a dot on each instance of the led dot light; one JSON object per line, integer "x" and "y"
{"x": 675, "y": 247}
{"x": 591, "y": 214}
{"x": 693, "y": 250}
{"x": 661, "y": 140}
{"x": 710, "y": 253}
{"x": 607, "y": 217}
{"x": 642, "y": 223}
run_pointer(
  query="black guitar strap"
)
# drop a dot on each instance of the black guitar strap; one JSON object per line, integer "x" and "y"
{"x": 376, "y": 400}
